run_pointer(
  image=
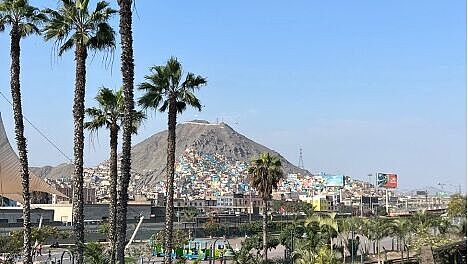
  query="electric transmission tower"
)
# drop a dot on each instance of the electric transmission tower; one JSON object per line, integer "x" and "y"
{"x": 301, "y": 161}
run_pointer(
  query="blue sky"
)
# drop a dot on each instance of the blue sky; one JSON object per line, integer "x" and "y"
{"x": 361, "y": 86}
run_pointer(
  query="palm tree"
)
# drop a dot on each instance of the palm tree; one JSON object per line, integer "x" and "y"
{"x": 73, "y": 25}
{"x": 349, "y": 226}
{"x": 265, "y": 173}
{"x": 165, "y": 90}
{"x": 400, "y": 227}
{"x": 24, "y": 20}
{"x": 380, "y": 228}
{"x": 327, "y": 221}
{"x": 127, "y": 69}
{"x": 109, "y": 114}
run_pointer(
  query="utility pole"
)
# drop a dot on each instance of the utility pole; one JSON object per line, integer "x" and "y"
{"x": 386, "y": 200}
{"x": 361, "y": 205}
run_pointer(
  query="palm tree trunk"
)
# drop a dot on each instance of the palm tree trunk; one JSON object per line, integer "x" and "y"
{"x": 171, "y": 136}
{"x": 78, "y": 117}
{"x": 127, "y": 69}
{"x": 265, "y": 222}
{"x": 21, "y": 140}
{"x": 113, "y": 190}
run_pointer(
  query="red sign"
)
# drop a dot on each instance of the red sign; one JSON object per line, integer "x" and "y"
{"x": 392, "y": 181}
{"x": 387, "y": 180}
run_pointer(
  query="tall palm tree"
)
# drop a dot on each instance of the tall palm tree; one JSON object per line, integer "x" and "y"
{"x": 24, "y": 20}
{"x": 127, "y": 69}
{"x": 74, "y": 26}
{"x": 109, "y": 113}
{"x": 265, "y": 173}
{"x": 165, "y": 90}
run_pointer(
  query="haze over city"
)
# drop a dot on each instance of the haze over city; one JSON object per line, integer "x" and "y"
{"x": 379, "y": 90}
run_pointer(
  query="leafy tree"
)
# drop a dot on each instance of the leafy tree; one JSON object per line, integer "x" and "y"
{"x": 109, "y": 113}
{"x": 457, "y": 206}
{"x": 24, "y": 20}
{"x": 180, "y": 238}
{"x": 265, "y": 173}
{"x": 74, "y": 26}
{"x": 250, "y": 228}
{"x": 190, "y": 214}
{"x": 94, "y": 253}
{"x": 215, "y": 229}
{"x": 165, "y": 90}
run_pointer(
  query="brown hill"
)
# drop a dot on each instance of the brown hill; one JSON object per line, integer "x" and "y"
{"x": 149, "y": 156}
{"x": 64, "y": 170}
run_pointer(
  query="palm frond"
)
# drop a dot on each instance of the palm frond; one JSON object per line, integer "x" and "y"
{"x": 73, "y": 19}
{"x": 103, "y": 39}
{"x": 20, "y": 13}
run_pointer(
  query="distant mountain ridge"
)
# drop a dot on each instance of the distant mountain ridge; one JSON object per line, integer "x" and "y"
{"x": 50, "y": 172}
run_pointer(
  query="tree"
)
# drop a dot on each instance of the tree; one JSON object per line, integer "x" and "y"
{"x": 166, "y": 91}
{"x": 457, "y": 206}
{"x": 401, "y": 228}
{"x": 380, "y": 228}
{"x": 323, "y": 256}
{"x": 328, "y": 222}
{"x": 265, "y": 173}
{"x": 127, "y": 70}
{"x": 73, "y": 25}
{"x": 94, "y": 253}
{"x": 109, "y": 113}
{"x": 24, "y": 20}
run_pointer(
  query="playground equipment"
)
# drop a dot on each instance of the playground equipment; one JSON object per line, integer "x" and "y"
{"x": 201, "y": 249}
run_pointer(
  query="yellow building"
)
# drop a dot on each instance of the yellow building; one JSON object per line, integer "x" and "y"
{"x": 321, "y": 204}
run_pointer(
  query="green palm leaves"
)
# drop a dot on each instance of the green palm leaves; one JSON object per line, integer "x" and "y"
{"x": 165, "y": 82}
{"x": 19, "y": 14}
{"x": 73, "y": 24}
{"x": 265, "y": 173}
{"x": 109, "y": 111}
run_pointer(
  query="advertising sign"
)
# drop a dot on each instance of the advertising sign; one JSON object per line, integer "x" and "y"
{"x": 334, "y": 180}
{"x": 387, "y": 180}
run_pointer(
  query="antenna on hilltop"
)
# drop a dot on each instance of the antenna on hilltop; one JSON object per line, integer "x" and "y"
{"x": 301, "y": 161}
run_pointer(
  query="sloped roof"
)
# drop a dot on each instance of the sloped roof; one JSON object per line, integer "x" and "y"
{"x": 10, "y": 173}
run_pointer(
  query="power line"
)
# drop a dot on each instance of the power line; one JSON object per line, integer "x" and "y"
{"x": 39, "y": 131}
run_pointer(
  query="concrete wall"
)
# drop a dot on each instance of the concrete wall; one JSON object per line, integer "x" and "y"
{"x": 15, "y": 214}
{"x": 63, "y": 212}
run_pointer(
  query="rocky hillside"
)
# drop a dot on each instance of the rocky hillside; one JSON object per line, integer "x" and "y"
{"x": 63, "y": 170}
{"x": 149, "y": 156}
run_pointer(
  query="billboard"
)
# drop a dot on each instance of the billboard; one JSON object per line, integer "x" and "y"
{"x": 334, "y": 180}
{"x": 387, "y": 180}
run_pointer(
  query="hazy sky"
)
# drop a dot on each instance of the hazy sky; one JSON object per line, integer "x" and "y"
{"x": 362, "y": 86}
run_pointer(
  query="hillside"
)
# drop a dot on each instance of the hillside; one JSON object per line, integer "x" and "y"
{"x": 149, "y": 156}
{"x": 49, "y": 172}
